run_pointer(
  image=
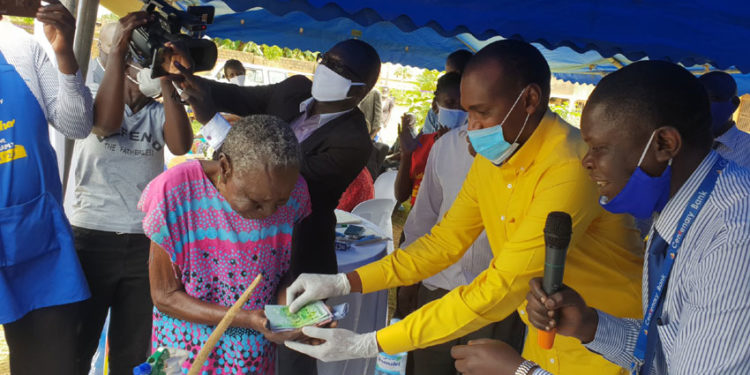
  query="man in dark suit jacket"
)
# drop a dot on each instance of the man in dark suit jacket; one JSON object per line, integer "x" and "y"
{"x": 331, "y": 129}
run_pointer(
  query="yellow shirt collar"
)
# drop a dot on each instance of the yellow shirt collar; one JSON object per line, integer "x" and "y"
{"x": 530, "y": 150}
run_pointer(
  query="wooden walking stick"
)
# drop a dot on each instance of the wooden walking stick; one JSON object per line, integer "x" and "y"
{"x": 220, "y": 328}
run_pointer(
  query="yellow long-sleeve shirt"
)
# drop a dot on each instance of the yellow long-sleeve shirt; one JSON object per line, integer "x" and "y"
{"x": 511, "y": 203}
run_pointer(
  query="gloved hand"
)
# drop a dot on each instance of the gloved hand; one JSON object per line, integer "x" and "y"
{"x": 340, "y": 344}
{"x": 310, "y": 287}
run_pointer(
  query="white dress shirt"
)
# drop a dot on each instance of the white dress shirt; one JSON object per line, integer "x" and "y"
{"x": 734, "y": 145}
{"x": 447, "y": 166}
{"x": 215, "y": 130}
{"x": 66, "y": 102}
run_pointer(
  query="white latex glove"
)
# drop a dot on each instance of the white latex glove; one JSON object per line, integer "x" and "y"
{"x": 340, "y": 345}
{"x": 310, "y": 287}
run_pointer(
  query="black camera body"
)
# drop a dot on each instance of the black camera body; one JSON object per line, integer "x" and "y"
{"x": 173, "y": 25}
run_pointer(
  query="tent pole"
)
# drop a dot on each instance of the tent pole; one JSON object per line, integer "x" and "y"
{"x": 85, "y": 23}
{"x": 466, "y": 43}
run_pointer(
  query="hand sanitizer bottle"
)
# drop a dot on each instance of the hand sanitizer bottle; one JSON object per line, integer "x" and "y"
{"x": 388, "y": 364}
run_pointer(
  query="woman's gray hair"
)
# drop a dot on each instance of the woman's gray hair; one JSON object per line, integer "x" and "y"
{"x": 261, "y": 141}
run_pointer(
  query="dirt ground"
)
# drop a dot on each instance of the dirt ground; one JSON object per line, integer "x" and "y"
{"x": 4, "y": 364}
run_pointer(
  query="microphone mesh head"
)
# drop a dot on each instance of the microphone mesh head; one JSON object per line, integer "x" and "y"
{"x": 558, "y": 229}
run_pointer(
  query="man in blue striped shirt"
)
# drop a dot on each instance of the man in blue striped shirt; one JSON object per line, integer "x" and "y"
{"x": 648, "y": 130}
{"x": 729, "y": 141}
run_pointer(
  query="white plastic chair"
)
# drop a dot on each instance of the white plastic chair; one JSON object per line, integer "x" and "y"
{"x": 385, "y": 186}
{"x": 378, "y": 211}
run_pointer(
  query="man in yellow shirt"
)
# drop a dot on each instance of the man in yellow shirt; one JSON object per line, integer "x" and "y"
{"x": 529, "y": 166}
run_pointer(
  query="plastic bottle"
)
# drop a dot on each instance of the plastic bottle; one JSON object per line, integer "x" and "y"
{"x": 388, "y": 364}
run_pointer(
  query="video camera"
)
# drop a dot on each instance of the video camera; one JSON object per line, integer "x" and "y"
{"x": 147, "y": 43}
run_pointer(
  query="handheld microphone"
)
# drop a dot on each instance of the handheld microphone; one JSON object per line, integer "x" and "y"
{"x": 557, "y": 233}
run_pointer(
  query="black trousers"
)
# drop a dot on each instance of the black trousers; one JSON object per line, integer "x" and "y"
{"x": 116, "y": 267}
{"x": 437, "y": 360}
{"x": 291, "y": 362}
{"x": 43, "y": 341}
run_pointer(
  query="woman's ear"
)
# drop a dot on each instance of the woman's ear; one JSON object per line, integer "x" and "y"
{"x": 669, "y": 143}
{"x": 226, "y": 166}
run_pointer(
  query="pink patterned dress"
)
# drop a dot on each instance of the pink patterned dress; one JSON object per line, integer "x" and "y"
{"x": 218, "y": 254}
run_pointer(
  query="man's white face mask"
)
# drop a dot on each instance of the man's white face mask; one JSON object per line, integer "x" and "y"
{"x": 329, "y": 86}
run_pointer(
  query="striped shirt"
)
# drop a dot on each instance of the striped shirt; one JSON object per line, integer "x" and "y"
{"x": 64, "y": 99}
{"x": 734, "y": 145}
{"x": 705, "y": 322}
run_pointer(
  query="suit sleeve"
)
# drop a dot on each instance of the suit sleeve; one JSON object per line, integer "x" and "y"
{"x": 241, "y": 100}
{"x": 251, "y": 100}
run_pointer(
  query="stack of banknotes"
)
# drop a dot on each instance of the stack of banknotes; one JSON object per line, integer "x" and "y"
{"x": 280, "y": 319}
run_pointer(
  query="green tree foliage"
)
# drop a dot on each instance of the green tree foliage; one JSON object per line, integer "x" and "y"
{"x": 269, "y": 52}
{"x": 310, "y": 56}
{"x": 572, "y": 117}
{"x": 108, "y": 18}
{"x": 419, "y": 99}
{"x": 403, "y": 73}
{"x": 272, "y": 52}
{"x": 253, "y": 48}
{"x": 26, "y": 21}
{"x": 427, "y": 81}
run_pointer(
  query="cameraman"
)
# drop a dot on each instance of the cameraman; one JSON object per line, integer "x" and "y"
{"x": 41, "y": 282}
{"x": 112, "y": 167}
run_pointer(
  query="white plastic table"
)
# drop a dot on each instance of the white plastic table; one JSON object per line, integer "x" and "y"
{"x": 367, "y": 312}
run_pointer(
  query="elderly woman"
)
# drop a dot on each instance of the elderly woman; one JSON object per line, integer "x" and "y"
{"x": 214, "y": 226}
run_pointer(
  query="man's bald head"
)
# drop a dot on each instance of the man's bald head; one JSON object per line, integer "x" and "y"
{"x": 457, "y": 60}
{"x": 521, "y": 64}
{"x": 106, "y": 39}
{"x": 722, "y": 92}
{"x": 719, "y": 85}
{"x": 360, "y": 58}
{"x": 648, "y": 95}
{"x": 107, "y": 36}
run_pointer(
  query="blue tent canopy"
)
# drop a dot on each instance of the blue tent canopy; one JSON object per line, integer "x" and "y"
{"x": 422, "y": 47}
{"x": 583, "y": 40}
{"x": 692, "y": 32}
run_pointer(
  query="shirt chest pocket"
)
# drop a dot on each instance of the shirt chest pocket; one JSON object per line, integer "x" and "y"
{"x": 517, "y": 202}
{"x": 668, "y": 329}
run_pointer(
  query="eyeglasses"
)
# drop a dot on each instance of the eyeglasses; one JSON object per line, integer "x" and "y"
{"x": 337, "y": 66}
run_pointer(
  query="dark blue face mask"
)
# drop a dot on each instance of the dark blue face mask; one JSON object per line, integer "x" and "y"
{"x": 642, "y": 195}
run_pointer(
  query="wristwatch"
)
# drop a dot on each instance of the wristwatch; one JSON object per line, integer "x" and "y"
{"x": 525, "y": 367}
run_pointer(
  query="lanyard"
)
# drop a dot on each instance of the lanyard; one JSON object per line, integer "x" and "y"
{"x": 696, "y": 203}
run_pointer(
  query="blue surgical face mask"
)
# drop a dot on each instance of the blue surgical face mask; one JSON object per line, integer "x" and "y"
{"x": 490, "y": 142}
{"x": 721, "y": 113}
{"x": 451, "y": 118}
{"x": 642, "y": 195}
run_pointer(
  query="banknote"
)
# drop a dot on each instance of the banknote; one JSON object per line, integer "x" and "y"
{"x": 280, "y": 319}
